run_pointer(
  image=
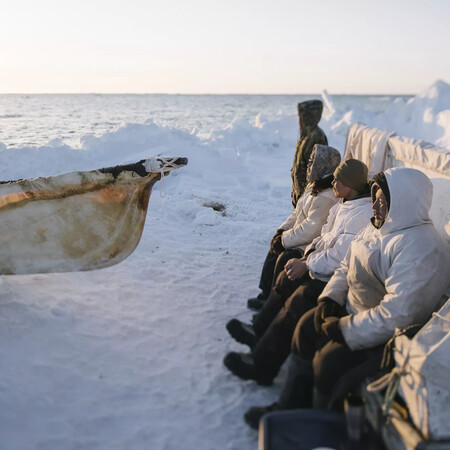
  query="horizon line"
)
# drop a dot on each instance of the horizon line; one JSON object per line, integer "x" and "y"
{"x": 192, "y": 93}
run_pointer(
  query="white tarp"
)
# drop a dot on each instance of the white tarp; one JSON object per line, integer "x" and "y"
{"x": 421, "y": 154}
{"x": 423, "y": 364}
{"x": 380, "y": 150}
{"x": 434, "y": 162}
{"x": 369, "y": 145}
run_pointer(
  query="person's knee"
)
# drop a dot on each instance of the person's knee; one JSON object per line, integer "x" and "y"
{"x": 304, "y": 335}
{"x": 298, "y": 304}
{"x": 281, "y": 279}
{"x": 325, "y": 359}
{"x": 328, "y": 364}
{"x": 297, "y": 299}
{"x": 283, "y": 285}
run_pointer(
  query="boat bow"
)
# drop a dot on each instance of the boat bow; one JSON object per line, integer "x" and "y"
{"x": 77, "y": 221}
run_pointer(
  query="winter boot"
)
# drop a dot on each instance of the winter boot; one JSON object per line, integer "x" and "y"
{"x": 253, "y": 415}
{"x": 256, "y": 303}
{"x": 242, "y": 332}
{"x": 243, "y": 366}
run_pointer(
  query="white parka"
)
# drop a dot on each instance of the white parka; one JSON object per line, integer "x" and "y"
{"x": 345, "y": 221}
{"x": 305, "y": 223}
{"x": 393, "y": 276}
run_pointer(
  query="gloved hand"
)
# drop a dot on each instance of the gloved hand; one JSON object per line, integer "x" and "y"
{"x": 276, "y": 245}
{"x": 325, "y": 308}
{"x": 279, "y": 231}
{"x": 332, "y": 330}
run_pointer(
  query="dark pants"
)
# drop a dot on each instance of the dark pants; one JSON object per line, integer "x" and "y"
{"x": 273, "y": 265}
{"x": 281, "y": 291}
{"x": 330, "y": 360}
{"x": 274, "y": 344}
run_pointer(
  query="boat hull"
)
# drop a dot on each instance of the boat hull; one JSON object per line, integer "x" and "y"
{"x": 74, "y": 222}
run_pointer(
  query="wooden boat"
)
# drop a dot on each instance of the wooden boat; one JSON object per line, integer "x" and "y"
{"x": 77, "y": 221}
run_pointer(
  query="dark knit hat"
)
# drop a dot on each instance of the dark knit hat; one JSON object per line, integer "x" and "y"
{"x": 352, "y": 173}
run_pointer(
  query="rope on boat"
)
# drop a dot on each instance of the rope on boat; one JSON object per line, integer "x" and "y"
{"x": 161, "y": 165}
{"x": 435, "y": 314}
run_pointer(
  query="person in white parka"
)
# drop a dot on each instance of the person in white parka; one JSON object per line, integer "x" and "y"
{"x": 393, "y": 276}
{"x": 305, "y": 222}
{"x": 297, "y": 288}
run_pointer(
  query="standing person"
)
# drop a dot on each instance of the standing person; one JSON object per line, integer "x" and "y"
{"x": 393, "y": 276}
{"x": 305, "y": 223}
{"x": 303, "y": 280}
{"x": 309, "y": 115}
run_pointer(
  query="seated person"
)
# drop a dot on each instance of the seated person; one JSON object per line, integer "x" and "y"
{"x": 309, "y": 114}
{"x": 305, "y": 223}
{"x": 393, "y": 276}
{"x": 303, "y": 280}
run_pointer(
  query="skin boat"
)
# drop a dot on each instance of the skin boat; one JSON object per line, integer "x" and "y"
{"x": 77, "y": 221}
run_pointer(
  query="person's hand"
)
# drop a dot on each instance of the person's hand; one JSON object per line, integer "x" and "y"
{"x": 276, "y": 245}
{"x": 279, "y": 231}
{"x": 325, "y": 308}
{"x": 332, "y": 330}
{"x": 295, "y": 268}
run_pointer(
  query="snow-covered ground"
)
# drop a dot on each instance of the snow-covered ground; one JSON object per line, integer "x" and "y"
{"x": 130, "y": 357}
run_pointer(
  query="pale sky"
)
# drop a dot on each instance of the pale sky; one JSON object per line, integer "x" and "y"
{"x": 223, "y": 46}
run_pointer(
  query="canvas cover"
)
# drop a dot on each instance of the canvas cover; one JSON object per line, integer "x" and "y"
{"x": 435, "y": 163}
{"x": 369, "y": 145}
{"x": 423, "y": 364}
{"x": 381, "y": 150}
{"x": 421, "y": 154}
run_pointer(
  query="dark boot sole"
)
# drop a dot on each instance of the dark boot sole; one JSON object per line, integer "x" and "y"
{"x": 255, "y": 304}
{"x": 239, "y": 334}
{"x": 238, "y": 368}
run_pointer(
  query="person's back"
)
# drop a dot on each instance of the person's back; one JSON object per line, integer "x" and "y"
{"x": 309, "y": 115}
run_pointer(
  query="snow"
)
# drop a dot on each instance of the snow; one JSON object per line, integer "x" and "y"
{"x": 130, "y": 357}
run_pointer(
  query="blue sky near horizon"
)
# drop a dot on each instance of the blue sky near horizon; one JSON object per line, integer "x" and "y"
{"x": 223, "y": 46}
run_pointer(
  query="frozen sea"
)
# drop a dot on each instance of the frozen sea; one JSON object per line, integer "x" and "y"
{"x": 30, "y": 120}
{"x": 130, "y": 357}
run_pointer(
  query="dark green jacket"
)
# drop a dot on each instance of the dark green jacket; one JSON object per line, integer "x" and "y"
{"x": 309, "y": 114}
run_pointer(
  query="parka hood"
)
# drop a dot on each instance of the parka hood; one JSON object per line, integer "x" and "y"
{"x": 309, "y": 115}
{"x": 326, "y": 159}
{"x": 411, "y": 194}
